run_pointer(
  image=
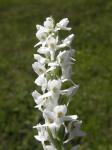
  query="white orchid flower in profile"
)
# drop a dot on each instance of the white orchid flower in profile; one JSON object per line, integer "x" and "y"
{"x": 42, "y": 100}
{"x": 74, "y": 130}
{"x": 40, "y": 59}
{"x": 62, "y": 25}
{"x": 60, "y": 111}
{"x": 65, "y": 59}
{"x": 36, "y": 95}
{"x": 70, "y": 91}
{"x": 42, "y": 33}
{"x": 50, "y": 102}
{"x": 49, "y": 23}
{"x": 53, "y": 66}
{"x": 38, "y": 68}
{"x": 44, "y": 50}
{"x": 42, "y": 81}
{"x": 54, "y": 85}
{"x": 67, "y": 41}
{"x": 42, "y": 133}
{"x": 70, "y": 118}
{"x": 48, "y": 116}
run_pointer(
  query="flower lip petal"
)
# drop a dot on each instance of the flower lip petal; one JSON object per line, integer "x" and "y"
{"x": 70, "y": 118}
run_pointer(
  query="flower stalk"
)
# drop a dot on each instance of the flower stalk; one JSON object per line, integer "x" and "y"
{"x": 53, "y": 66}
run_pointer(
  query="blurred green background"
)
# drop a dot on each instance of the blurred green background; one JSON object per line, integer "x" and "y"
{"x": 91, "y": 21}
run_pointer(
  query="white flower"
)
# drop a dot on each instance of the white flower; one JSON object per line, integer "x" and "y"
{"x": 64, "y": 59}
{"x": 41, "y": 81}
{"x": 54, "y": 85}
{"x": 48, "y": 116}
{"x": 40, "y": 59}
{"x": 36, "y": 95}
{"x": 60, "y": 57}
{"x": 53, "y": 64}
{"x": 44, "y": 50}
{"x": 50, "y": 102}
{"x": 62, "y": 25}
{"x": 70, "y": 118}
{"x": 60, "y": 112}
{"x": 49, "y": 23}
{"x": 38, "y": 68}
{"x": 57, "y": 115}
{"x": 67, "y": 41}
{"x": 42, "y": 100}
{"x": 42, "y": 33}
{"x": 74, "y": 130}
{"x": 42, "y": 133}
{"x": 70, "y": 91}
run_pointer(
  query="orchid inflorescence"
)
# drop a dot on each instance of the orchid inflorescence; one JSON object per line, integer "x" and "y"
{"x": 53, "y": 67}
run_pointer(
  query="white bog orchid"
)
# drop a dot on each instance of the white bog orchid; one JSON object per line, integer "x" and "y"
{"x": 40, "y": 59}
{"x": 62, "y": 25}
{"x": 38, "y": 68}
{"x": 42, "y": 81}
{"x": 49, "y": 23}
{"x": 42, "y": 134}
{"x": 53, "y": 66}
{"x": 54, "y": 85}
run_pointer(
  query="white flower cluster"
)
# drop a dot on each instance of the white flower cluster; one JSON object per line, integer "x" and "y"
{"x": 53, "y": 67}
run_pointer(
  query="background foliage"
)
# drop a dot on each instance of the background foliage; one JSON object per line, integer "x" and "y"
{"x": 91, "y": 20}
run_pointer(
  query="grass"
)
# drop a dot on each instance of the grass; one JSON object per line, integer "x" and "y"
{"x": 92, "y": 23}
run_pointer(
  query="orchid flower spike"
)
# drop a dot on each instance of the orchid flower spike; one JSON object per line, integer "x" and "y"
{"x": 53, "y": 67}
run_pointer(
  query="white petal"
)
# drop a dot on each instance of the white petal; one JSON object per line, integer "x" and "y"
{"x": 41, "y": 81}
{"x": 67, "y": 41}
{"x": 42, "y": 33}
{"x": 46, "y": 95}
{"x": 39, "y": 138}
{"x": 49, "y": 23}
{"x": 53, "y": 64}
{"x": 63, "y": 24}
{"x": 39, "y": 58}
{"x": 60, "y": 110}
{"x": 43, "y": 50}
{"x": 70, "y": 118}
{"x": 35, "y": 94}
{"x": 38, "y": 68}
{"x": 54, "y": 85}
{"x": 70, "y": 91}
